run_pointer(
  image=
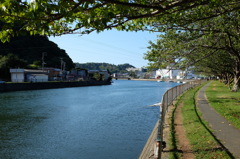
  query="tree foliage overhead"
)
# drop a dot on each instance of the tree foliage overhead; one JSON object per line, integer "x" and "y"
{"x": 195, "y": 30}
{"x": 7, "y": 62}
{"x": 56, "y": 17}
{"x": 211, "y": 45}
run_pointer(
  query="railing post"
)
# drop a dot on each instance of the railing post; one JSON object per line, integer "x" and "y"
{"x": 176, "y": 92}
{"x": 157, "y": 146}
{"x": 166, "y": 101}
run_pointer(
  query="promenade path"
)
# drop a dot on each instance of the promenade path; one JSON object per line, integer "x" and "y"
{"x": 227, "y": 135}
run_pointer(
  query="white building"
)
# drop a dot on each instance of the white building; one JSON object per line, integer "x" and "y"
{"x": 17, "y": 75}
{"x": 186, "y": 75}
{"x": 37, "y": 78}
{"x": 136, "y": 69}
{"x": 28, "y": 75}
{"x": 167, "y": 74}
{"x": 133, "y": 69}
{"x": 174, "y": 74}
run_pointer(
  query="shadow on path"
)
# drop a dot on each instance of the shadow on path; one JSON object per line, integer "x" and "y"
{"x": 227, "y": 136}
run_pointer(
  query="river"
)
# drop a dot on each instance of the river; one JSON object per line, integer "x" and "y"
{"x": 105, "y": 122}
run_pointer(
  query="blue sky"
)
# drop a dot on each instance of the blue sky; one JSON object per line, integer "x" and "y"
{"x": 114, "y": 47}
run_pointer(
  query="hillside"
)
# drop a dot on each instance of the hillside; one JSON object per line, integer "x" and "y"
{"x": 27, "y": 52}
{"x": 104, "y": 66}
{"x": 30, "y": 49}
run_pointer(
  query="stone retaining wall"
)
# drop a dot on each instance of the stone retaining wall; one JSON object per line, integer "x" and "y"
{"x": 8, "y": 87}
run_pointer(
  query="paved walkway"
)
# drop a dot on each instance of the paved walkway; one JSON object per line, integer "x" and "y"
{"x": 228, "y": 135}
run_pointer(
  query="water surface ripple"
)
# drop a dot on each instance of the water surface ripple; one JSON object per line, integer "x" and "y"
{"x": 105, "y": 122}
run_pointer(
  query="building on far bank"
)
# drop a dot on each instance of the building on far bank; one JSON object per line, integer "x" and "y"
{"x": 106, "y": 74}
{"x": 17, "y": 75}
{"x": 174, "y": 74}
{"x": 136, "y": 69}
{"x": 103, "y": 74}
{"x": 54, "y": 74}
{"x": 28, "y": 75}
{"x": 186, "y": 75}
{"x": 167, "y": 73}
{"x": 77, "y": 75}
{"x": 37, "y": 78}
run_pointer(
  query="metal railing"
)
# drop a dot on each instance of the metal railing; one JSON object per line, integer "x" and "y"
{"x": 167, "y": 99}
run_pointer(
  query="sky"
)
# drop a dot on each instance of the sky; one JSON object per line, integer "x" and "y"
{"x": 114, "y": 47}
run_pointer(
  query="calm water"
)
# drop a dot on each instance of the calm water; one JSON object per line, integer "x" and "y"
{"x": 105, "y": 122}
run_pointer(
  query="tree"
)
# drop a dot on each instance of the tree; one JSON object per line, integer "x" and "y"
{"x": 7, "y": 62}
{"x": 104, "y": 66}
{"x": 219, "y": 65}
{"x": 48, "y": 17}
{"x": 133, "y": 74}
{"x": 211, "y": 43}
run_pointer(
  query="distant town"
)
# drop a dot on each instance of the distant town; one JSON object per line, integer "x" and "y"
{"x": 82, "y": 74}
{"x": 36, "y": 59}
{"x": 167, "y": 73}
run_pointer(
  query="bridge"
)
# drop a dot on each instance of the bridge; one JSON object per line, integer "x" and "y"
{"x": 122, "y": 78}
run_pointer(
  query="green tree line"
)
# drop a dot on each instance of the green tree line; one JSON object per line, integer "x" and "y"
{"x": 121, "y": 68}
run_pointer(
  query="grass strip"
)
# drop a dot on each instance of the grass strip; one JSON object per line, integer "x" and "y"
{"x": 173, "y": 138}
{"x": 204, "y": 145}
{"x": 225, "y": 102}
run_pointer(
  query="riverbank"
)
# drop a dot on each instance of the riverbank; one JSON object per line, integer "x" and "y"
{"x": 9, "y": 87}
{"x": 167, "y": 80}
{"x": 196, "y": 124}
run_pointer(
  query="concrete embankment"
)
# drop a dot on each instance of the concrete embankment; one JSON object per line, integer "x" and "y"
{"x": 8, "y": 87}
{"x": 148, "y": 150}
{"x": 166, "y": 80}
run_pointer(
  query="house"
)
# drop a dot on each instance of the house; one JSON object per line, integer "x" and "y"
{"x": 77, "y": 75}
{"x": 133, "y": 69}
{"x": 54, "y": 74}
{"x": 37, "y": 78}
{"x": 120, "y": 75}
{"x": 17, "y": 75}
{"x": 28, "y": 75}
{"x": 104, "y": 74}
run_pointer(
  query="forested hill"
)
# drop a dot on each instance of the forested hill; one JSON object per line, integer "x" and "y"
{"x": 31, "y": 48}
{"x": 104, "y": 66}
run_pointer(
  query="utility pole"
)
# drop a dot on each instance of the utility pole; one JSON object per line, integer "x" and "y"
{"x": 61, "y": 59}
{"x": 43, "y": 63}
{"x": 63, "y": 66}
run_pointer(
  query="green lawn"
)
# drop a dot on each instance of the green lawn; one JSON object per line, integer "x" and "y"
{"x": 204, "y": 145}
{"x": 225, "y": 102}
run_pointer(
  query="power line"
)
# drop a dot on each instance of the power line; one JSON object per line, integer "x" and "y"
{"x": 111, "y": 46}
{"x": 28, "y": 48}
{"x": 114, "y": 55}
